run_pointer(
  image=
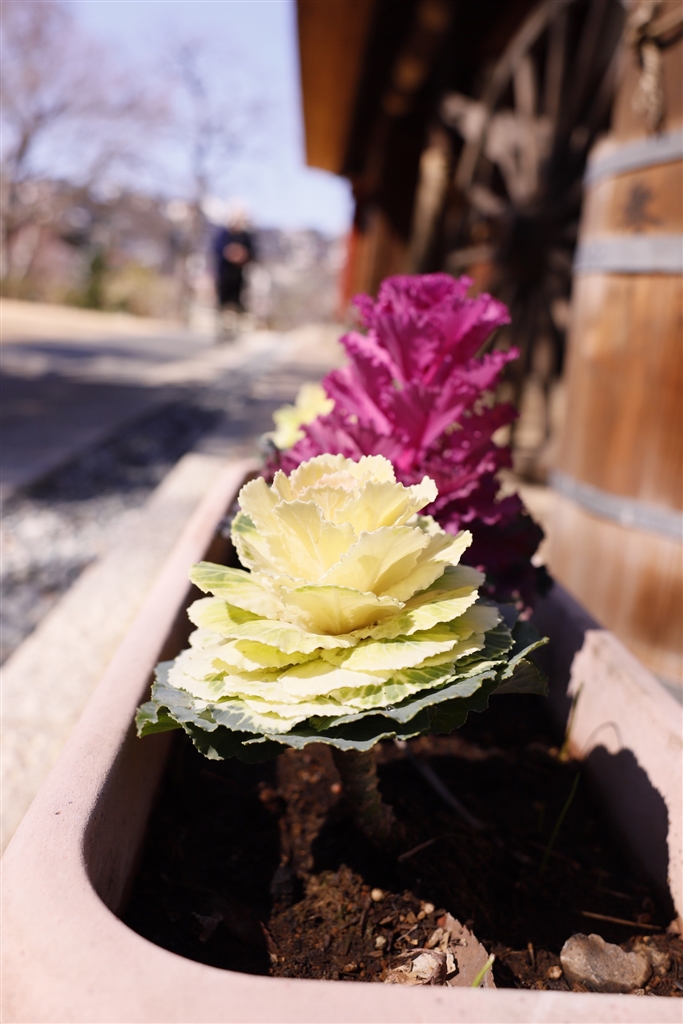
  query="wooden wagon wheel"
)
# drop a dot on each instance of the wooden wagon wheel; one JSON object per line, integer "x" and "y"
{"x": 515, "y": 198}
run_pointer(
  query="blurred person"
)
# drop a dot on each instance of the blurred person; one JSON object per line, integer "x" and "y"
{"x": 233, "y": 249}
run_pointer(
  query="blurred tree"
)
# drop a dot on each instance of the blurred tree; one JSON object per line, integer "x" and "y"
{"x": 214, "y": 124}
{"x": 66, "y": 114}
{"x": 93, "y": 296}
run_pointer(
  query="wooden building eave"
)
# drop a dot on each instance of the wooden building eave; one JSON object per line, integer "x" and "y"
{"x": 333, "y": 37}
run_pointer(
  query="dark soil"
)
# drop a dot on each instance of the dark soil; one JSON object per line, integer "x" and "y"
{"x": 258, "y": 868}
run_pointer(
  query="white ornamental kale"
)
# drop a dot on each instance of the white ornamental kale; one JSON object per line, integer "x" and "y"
{"x": 351, "y": 622}
{"x": 311, "y": 402}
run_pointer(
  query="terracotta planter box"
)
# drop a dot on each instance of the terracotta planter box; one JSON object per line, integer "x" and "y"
{"x": 67, "y": 957}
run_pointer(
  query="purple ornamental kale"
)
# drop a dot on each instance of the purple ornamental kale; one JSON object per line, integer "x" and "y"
{"x": 415, "y": 391}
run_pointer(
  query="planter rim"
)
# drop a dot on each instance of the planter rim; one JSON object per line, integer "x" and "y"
{"x": 67, "y": 957}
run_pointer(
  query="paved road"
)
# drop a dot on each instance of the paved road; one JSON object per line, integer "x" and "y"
{"x": 70, "y": 378}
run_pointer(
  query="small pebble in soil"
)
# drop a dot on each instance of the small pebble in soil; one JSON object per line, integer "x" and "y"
{"x": 554, "y": 973}
{"x": 601, "y": 966}
{"x": 421, "y": 967}
{"x": 659, "y": 961}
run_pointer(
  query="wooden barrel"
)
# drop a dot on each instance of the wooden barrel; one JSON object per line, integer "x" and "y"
{"x": 615, "y": 538}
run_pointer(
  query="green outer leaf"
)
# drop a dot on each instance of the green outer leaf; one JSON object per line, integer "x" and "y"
{"x": 407, "y": 710}
{"x": 527, "y": 678}
{"x": 226, "y": 728}
{"x": 526, "y": 639}
{"x": 522, "y": 675}
{"x": 439, "y": 712}
{"x": 224, "y": 743}
{"x": 460, "y": 689}
{"x": 151, "y": 718}
{"x": 450, "y": 715}
{"x": 497, "y": 644}
{"x": 363, "y": 734}
{"x": 237, "y": 716}
{"x": 300, "y": 740}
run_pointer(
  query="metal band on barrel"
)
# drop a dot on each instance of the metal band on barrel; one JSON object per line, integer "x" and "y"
{"x": 632, "y": 156}
{"x": 628, "y": 512}
{"x": 630, "y": 254}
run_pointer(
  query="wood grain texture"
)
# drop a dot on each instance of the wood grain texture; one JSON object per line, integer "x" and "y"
{"x": 629, "y": 580}
{"x": 646, "y": 201}
{"x": 380, "y": 252}
{"x": 624, "y": 386}
{"x": 332, "y": 38}
{"x": 623, "y": 429}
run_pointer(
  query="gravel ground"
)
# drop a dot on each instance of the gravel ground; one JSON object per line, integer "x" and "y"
{"x": 52, "y": 530}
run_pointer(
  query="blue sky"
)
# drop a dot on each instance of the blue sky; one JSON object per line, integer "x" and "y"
{"x": 251, "y": 54}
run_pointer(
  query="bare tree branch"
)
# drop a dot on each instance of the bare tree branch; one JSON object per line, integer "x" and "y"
{"x": 65, "y": 110}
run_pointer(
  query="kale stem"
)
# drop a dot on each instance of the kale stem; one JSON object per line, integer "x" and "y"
{"x": 358, "y": 774}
